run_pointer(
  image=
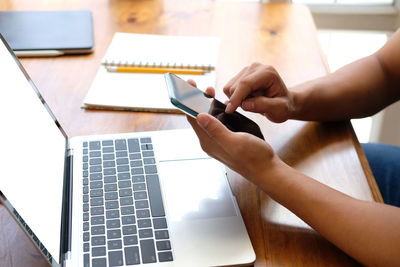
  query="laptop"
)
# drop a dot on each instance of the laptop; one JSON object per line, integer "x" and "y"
{"x": 143, "y": 199}
{"x": 48, "y": 33}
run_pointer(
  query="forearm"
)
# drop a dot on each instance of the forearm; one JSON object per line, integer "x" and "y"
{"x": 356, "y": 90}
{"x": 367, "y": 231}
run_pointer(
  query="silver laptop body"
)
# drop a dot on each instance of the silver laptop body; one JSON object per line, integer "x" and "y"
{"x": 149, "y": 198}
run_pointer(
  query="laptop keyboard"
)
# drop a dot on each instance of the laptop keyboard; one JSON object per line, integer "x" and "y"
{"x": 123, "y": 214}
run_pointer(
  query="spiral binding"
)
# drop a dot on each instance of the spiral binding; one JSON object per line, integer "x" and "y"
{"x": 155, "y": 64}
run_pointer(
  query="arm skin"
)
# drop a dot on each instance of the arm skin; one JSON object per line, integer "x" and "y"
{"x": 359, "y": 89}
{"x": 367, "y": 231}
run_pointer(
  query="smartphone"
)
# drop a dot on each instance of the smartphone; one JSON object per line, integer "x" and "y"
{"x": 193, "y": 101}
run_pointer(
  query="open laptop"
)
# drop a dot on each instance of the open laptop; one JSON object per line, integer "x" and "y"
{"x": 149, "y": 198}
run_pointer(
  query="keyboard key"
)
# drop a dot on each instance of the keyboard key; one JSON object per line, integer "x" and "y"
{"x": 115, "y": 258}
{"x": 122, "y": 161}
{"x": 98, "y": 251}
{"x": 148, "y": 251}
{"x": 132, "y": 255}
{"x": 85, "y": 158}
{"x": 98, "y": 230}
{"x": 94, "y": 145}
{"x": 86, "y": 216}
{"x": 144, "y": 140}
{"x": 109, "y": 171}
{"x": 108, "y": 149}
{"x": 127, "y": 210}
{"x": 108, "y": 164}
{"x": 112, "y": 214}
{"x": 139, "y": 187}
{"x": 147, "y": 147}
{"x": 85, "y": 226}
{"x": 85, "y": 207}
{"x": 144, "y": 223}
{"x": 156, "y": 203}
{"x": 121, "y": 154}
{"x": 111, "y": 195}
{"x": 129, "y": 230}
{"x": 96, "y": 176}
{"x": 135, "y": 156}
{"x": 98, "y": 201}
{"x": 114, "y": 244}
{"x": 124, "y": 176}
{"x": 85, "y": 174}
{"x": 98, "y": 240}
{"x": 120, "y": 144}
{"x": 113, "y": 234}
{"x": 95, "y": 154}
{"x": 85, "y": 198}
{"x": 146, "y": 233}
{"x": 108, "y": 156}
{"x": 85, "y": 144}
{"x": 96, "y": 184}
{"x": 126, "y": 192}
{"x": 141, "y": 204}
{"x": 86, "y": 260}
{"x": 85, "y": 166}
{"x": 97, "y": 211}
{"x": 99, "y": 262}
{"x": 140, "y": 195}
{"x": 128, "y": 220}
{"x": 163, "y": 245}
{"x": 107, "y": 142}
{"x": 86, "y": 189}
{"x": 97, "y": 220}
{"x": 95, "y": 168}
{"x": 113, "y": 224}
{"x": 143, "y": 213}
{"x": 95, "y": 161}
{"x": 86, "y": 236}
{"x": 159, "y": 223}
{"x": 124, "y": 184}
{"x": 148, "y": 153}
{"x": 150, "y": 169}
{"x": 110, "y": 187}
{"x": 138, "y": 178}
{"x": 123, "y": 168}
{"x": 133, "y": 145}
{"x": 126, "y": 201}
{"x": 112, "y": 204}
{"x": 137, "y": 171}
{"x": 130, "y": 240}
{"x": 161, "y": 234}
{"x": 85, "y": 181}
{"x": 149, "y": 161}
{"x": 86, "y": 247}
{"x": 110, "y": 179}
{"x": 165, "y": 256}
{"x": 136, "y": 163}
{"x": 96, "y": 193}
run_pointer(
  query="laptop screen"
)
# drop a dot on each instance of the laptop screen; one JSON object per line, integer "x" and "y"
{"x": 32, "y": 154}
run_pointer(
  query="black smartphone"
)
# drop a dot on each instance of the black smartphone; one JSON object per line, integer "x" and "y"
{"x": 193, "y": 101}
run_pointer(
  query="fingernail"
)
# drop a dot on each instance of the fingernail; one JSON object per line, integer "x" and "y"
{"x": 203, "y": 120}
{"x": 228, "y": 107}
{"x": 248, "y": 105}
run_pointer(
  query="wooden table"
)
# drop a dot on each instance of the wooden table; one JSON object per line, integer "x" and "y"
{"x": 281, "y": 35}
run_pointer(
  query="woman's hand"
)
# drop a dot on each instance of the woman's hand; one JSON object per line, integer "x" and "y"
{"x": 259, "y": 88}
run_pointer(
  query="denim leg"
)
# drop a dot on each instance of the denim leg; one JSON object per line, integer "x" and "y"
{"x": 384, "y": 161}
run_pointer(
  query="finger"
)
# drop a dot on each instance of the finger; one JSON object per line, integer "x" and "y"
{"x": 228, "y": 88}
{"x": 262, "y": 77}
{"x": 210, "y": 91}
{"x": 275, "y": 109}
{"x": 192, "y": 82}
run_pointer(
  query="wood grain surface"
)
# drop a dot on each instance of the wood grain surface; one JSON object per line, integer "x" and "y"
{"x": 282, "y": 35}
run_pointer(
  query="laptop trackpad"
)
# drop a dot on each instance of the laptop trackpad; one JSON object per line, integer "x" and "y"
{"x": 195, "y": 189}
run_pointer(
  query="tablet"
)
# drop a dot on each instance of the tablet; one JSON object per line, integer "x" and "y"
{"x": 48, "y": 33}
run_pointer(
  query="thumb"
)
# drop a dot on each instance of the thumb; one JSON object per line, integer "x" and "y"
{"x": 213, "y": 127}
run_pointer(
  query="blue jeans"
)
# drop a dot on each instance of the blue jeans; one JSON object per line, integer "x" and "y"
{"x": 384, "y": 161}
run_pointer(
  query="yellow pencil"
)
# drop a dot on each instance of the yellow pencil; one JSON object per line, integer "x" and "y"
{"x": 155, "y": 70}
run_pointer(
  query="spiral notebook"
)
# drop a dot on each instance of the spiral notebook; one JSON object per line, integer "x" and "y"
{"x": 147, "y": 91}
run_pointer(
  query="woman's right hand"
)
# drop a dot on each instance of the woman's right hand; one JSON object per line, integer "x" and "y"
{"x": 259, "y": 88}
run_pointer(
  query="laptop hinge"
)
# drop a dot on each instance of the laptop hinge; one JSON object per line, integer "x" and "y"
{"x": 66, "y": 217}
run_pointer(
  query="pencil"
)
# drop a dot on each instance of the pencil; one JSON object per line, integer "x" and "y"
{"x": 155, "y": 70}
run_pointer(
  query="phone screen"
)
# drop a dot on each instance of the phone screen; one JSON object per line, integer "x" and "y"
{"x": 193, "y": 101}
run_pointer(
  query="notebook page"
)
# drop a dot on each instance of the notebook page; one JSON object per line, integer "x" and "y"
{"x": 162, "y": 50}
